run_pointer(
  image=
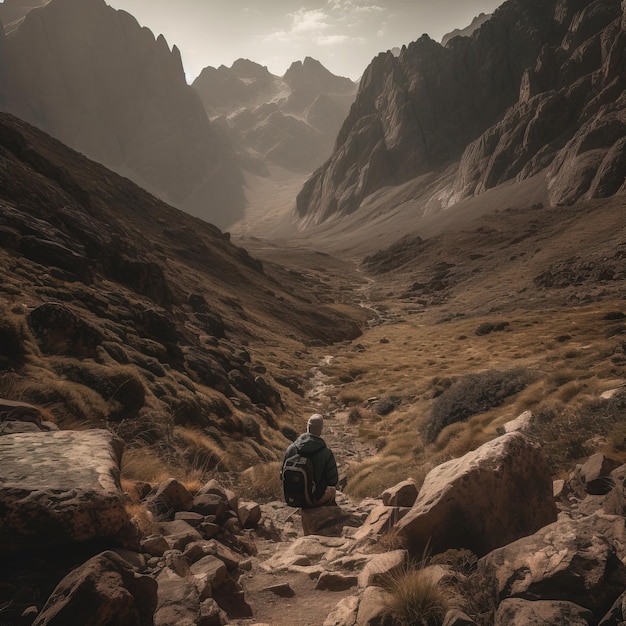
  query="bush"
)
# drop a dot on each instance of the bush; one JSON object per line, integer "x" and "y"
{"x": 471, "y": 395}
{"x": 12, "y": 337}
{"x": 386, "y": 405}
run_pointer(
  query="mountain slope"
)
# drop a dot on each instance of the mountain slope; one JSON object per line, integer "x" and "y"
{"x": 93, "y": 78}
{"x": 118, "y": 310}
{"x": 291, "y": 122}
{"x": 507, "y": 103}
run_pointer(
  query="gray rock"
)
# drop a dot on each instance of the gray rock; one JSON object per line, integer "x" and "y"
{"x": 335, "y": 581}
{"x": 59, "y": 487}
{"x": 381, "y": 566}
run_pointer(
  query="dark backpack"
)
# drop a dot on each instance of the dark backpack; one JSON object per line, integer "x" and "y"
{"x": 299, "y": 481}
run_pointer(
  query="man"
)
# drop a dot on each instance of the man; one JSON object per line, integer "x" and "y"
{"x": 311, "y": 445}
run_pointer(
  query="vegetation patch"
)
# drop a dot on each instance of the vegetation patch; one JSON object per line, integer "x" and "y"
{"x": 471, "y": 395}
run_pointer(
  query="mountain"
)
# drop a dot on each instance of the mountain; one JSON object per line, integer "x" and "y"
{"x": 117, "y": 310}
{"x": 93, "y": 78}
{"x": 476, "y": 23}
{"x": 537, "y": 91}
{"x": 291, "y": 122}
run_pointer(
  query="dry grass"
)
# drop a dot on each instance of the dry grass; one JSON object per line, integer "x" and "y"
{"x": 261, "y": 483}
{"x": 415, "y": 599}
{"x": 567, "y": 351}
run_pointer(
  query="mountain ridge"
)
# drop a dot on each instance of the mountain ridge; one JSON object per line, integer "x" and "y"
{"x": 435, "y": 107}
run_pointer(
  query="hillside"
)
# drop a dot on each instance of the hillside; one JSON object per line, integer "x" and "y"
{"x": 93, "y": 78}
{"x": 120, "y": 311}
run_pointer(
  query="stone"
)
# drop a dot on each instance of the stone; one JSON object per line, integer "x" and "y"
{"x": 211, "y": 614}
{"x": 372, "y": 609}
{"x": 403, "y": 494}
{"x": 380, "y": 519}
{"x": 576, "y": 561}
{"x": 520, "y": 424}
{"x": 59, "y": 487}
{"x": 155, "y": 545}
{"x": 193, "y": 519}
{"x": 327, "y": 520}
{"x": 179, "y": 534}
{"x": 282, "y": 590}
{"x": 210, "y": 504}
{"x": 381, "y": 566}
{"x": 178, "y": 600}
{"x": 495, "y": 494}
{"x": 520, "y": 612}
{"x": 249, "y": 514}
{"x": 105, "y": 589}
{"x": 595, "y": 473}
{"x": 210, "y": 573}
{"x": 335, "y": 581}
{"x": 344, "y": 614}
{"x": 307, "y": 551}
{"x": 171, "y": 496}
{"x": 195, "y": 551}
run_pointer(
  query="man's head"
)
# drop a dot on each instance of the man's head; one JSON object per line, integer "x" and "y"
{"x": 315, "y": 424}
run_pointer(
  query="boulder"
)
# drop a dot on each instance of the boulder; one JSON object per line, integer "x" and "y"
{"x": 576, "y": 561}
{"x": 592, "y": 477}
{"x": 178, "y": 600}
{"x": 521, "y": 423}
{"x": 105, "y": 590}
{"x": 483, "y": 500}
{"x": 210, "y": 573}
{"x": 403, "y": 494}
{"x": 519, "y": 612}
{"x": 59, "y": 330}
{"x": 210, "y": 504}
{"x": 59, "y": 487}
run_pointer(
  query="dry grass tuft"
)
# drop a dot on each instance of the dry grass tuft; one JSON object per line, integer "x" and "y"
{"x": 261, "y": 483}
{"x": 415, "y": 599}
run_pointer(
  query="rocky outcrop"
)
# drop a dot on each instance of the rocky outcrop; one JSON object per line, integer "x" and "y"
{"x": 290, "y": 121}
{"x": 486, "y": 499}
{"x": 537, "y": 89}
{"x": 59, "y": 487}
{"x": 92, "y": 77}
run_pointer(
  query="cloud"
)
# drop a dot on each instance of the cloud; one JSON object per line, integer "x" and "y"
{"x": 304, "y": 21}
{"x": 334, "y": 40}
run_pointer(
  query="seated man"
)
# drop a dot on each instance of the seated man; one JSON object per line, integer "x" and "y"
{"x": 324, "y": 467}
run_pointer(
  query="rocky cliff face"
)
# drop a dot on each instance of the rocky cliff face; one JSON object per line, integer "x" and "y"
{"x": 538, "y": 86}
{"x": 96, "y": 80}
{"x": 290, "y": 121}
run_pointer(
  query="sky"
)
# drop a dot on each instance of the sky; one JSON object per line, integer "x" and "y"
{"x": 344, "y": 35}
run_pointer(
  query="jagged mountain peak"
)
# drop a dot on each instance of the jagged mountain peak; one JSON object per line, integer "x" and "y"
{"x": 244, "y": 68}
{"x": 529, "y": 90}
{"x": 310, "y": 74}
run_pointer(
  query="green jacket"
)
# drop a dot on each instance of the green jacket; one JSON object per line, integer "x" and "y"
{"x": 324, "y": 464}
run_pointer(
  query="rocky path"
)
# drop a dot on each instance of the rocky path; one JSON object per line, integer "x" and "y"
{"x": 285, "y": 597}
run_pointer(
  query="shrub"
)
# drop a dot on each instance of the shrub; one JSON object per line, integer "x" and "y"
{"x": 415, "y": 599}
{"x": 386, "y": 405}
{"x": 471, "y": 395}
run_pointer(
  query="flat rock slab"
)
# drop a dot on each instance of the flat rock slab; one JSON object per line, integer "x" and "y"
{"x": 59, "y": 487}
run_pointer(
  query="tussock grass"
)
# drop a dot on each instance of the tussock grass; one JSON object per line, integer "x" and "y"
{"x": 143, "y": 463}
{"x": 261, "y": 483}
{"x": 415, "y": 599}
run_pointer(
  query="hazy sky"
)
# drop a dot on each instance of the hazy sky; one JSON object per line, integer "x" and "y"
{"x": 344, "y": 35}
